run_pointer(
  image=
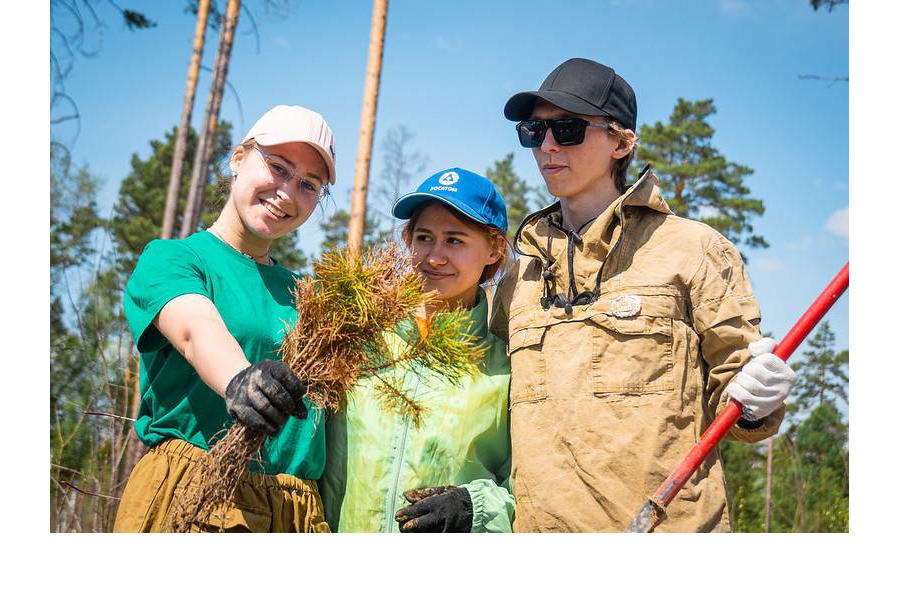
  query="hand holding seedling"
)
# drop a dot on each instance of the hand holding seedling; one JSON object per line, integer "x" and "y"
{"x": 264, "y": 395}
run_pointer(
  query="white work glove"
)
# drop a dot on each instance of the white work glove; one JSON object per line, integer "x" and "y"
{"x": 763, "y": 384}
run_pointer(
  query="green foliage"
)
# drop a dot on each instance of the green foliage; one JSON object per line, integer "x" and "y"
{"x": 335, "y": 230}
{"x": 135, "y": 20}
{"x": 142, "y": 194}
{"x": 695, "y": 178}
{"x": 822, "y": 372}
{"x": 745, "y": 471}
{"x": 521, "y": 199}
{"x": 73, "y": 213}
{"x": 88, "y": 372}
{"x": 829, "y": 4}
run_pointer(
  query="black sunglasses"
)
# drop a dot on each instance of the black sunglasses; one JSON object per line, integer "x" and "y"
{"x": 568, "y": 131}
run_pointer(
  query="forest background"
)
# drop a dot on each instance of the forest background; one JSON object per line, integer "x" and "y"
{"x": 708, "y": 137}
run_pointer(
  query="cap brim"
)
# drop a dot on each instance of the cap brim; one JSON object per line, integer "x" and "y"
{"x": 271, "y": 139}
{"x": 520, "y": 106}
{"x": 405, "y": 206}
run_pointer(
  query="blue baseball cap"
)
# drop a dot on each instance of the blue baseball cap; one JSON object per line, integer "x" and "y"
{"x": 467, "y": 192}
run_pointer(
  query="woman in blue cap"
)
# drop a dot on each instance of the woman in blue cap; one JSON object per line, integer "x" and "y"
{"x": 450, "y": 472}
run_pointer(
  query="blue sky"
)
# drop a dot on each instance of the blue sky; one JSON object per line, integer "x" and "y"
{"x": 448, "y": 71}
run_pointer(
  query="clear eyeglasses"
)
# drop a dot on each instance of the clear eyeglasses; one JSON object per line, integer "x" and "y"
{"x": 283, "y": 173}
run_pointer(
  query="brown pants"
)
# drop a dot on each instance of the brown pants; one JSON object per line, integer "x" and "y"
{"x": 262, "y": 503}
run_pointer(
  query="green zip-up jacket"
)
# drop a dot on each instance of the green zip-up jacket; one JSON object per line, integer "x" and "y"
{"x": 374, "y": 454}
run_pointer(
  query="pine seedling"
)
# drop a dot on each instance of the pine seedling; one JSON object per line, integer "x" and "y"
{"x": 343, "y": 312}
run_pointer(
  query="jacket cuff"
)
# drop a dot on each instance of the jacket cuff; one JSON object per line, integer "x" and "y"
{"x": 477, "y": 508}
{"x": 750, "y": 424}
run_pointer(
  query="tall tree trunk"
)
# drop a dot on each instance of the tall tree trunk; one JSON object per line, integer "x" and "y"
{"x": 187, "y": 108}
{"x": 136, "y": 448}
{"x": 770, "y": 453}
{"x": 357, "y": 223}
{"x": 206, "y": 143}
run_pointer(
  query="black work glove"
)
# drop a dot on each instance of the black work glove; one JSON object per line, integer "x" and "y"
{"x": 445, "y": 509}
{"x": 264, "y": 395}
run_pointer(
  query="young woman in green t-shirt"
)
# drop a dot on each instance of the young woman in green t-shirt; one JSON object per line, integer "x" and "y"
{"x": 207, "y": 314}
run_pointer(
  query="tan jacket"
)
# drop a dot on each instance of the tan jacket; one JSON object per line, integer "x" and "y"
{"x": 609, "y": 395}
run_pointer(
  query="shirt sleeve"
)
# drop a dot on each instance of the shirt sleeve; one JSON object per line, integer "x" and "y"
{"x": 165, "y": 270}
{"x": 726, "y": 317}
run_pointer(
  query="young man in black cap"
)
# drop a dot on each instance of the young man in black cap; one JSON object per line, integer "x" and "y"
{"x": 627, "y": 326}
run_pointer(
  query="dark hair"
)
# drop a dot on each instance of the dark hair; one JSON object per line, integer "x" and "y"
{"x": 494, "y": 235}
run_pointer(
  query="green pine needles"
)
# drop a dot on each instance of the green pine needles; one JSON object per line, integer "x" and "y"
{"x": 343, "y": 312}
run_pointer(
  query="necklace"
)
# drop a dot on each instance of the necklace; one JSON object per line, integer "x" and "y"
{"x": 236, "y": 249}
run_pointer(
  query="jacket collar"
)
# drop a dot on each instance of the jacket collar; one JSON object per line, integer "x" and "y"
{"x": 531, "y": 238}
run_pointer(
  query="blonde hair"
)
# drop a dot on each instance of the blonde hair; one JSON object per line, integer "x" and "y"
{"x": 620, "y": 167}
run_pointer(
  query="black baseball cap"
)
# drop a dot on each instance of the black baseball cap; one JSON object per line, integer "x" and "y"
{"x": 583, "y": 87}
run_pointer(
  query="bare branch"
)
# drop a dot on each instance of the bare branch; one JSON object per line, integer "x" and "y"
{"x": 254, "y": 30}
{"x": 69, "y": 484}
{"x": 831, "y": 80}
{"x": 66, "y": 469}
{"x": 105, "y": 414}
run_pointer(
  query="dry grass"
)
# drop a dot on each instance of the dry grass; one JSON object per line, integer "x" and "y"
{"x": 342, "y": 314}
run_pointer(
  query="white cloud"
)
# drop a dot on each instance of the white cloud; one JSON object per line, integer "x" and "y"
{"x": 839, "y": 223}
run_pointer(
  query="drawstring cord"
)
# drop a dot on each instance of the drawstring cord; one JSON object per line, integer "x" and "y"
{"x": 546, "y": 274}
{"x": 578, "y": 299}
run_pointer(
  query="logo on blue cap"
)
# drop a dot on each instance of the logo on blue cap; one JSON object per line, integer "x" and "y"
{"x": 465, "y": 191}
{"x": 448, "y": 178}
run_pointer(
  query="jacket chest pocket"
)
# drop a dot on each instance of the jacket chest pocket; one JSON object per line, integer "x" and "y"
{"x": 632, "y": 355}
{"x": 528, "y": 365}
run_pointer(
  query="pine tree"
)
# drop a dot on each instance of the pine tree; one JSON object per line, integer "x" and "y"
{"x": 142, "y": 197}
{"x": 821, "y": 372}
{"x": 744, "y": 466}
{"x": 696, "y": 180}
{"x": 138, "y": 213}
{"x": 521, "y": 199}
{"x": 73, "y": 213}
{"x": 335, "y": 230}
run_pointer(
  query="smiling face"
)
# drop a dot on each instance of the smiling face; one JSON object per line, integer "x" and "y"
{"x": 269, "y": 203}
{"x": 582, "y": 171}
{"x": 452, "y": 253}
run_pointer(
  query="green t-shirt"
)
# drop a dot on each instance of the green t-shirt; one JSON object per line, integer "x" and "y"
{"x": 256, "y": 304}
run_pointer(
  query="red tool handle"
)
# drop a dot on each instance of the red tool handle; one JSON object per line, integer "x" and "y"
{"x": 732, "y": 412}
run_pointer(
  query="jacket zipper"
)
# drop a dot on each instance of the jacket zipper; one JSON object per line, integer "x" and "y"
{"x": 388, "y": 524}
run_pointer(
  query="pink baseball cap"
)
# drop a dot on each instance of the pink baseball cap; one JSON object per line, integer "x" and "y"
{"x": 283, "y": 124}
